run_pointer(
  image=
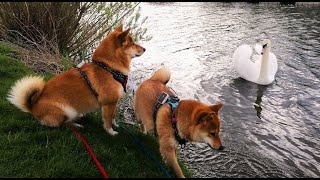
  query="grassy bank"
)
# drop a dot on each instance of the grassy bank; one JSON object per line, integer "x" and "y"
{"x": 28, "y": 149}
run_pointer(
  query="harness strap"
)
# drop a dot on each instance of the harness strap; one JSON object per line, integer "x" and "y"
{"x": 161, "y": 100}
{"x": 117, "y": 75}
{"x": 155, "y": 119}
{"x": 180, "y": 140}
{"x": 173, "y": 101}
{"x": 85, "y": 77}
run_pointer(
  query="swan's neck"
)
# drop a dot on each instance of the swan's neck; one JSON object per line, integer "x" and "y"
{"x": 264, "y": 65}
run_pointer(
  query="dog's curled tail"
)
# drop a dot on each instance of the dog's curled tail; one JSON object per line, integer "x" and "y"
{"x": 163, "y": 74}
{"x": 26, "y": 91}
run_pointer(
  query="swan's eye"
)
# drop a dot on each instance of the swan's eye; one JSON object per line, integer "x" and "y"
{"x": 264, "y": 46}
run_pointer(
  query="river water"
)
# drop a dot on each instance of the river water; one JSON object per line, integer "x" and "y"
{"x": 268, "y": 131}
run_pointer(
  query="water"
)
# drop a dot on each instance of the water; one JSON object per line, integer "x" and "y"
{"x": 268, "y": 131}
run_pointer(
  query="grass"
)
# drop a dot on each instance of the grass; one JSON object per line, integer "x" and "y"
{"x": 30, "y": 150}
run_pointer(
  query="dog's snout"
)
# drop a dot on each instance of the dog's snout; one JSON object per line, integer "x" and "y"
{"x": 221, "y": 148}
{"x": 144, "y": 49}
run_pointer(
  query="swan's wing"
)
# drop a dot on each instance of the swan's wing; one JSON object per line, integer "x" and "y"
{"x": 258, "y": 48}
{"x": 256, "y": 59}
{"x": 242, "y": 52}
{"x": 242, "y": 62}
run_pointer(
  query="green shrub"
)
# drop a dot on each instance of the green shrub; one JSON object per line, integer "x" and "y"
{"x": 72, "y": 29}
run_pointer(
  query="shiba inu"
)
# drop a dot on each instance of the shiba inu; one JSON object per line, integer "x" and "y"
{"x": 175, "y": 121}
{"x": 90, "y": 87}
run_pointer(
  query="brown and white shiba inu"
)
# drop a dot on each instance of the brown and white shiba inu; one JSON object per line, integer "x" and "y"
{"x": 73, "y": 93}
{"x": 174, "y": 121}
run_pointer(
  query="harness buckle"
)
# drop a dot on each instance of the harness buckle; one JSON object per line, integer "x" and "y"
{"x": 163, "y": 98}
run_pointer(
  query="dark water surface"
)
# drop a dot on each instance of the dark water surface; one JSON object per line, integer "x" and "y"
{"x": 268, "y": 131}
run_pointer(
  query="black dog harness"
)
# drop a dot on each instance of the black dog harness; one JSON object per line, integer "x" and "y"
{"x": 173, "y": 101}
{"x": 85, "y": 77}
{"x": 120, "y": 77}
{"x": 117, "y": 75}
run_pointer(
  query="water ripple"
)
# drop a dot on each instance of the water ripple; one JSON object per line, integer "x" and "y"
{"x": 268, "y": 131}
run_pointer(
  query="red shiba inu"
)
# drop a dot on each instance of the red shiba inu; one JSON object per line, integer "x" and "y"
{"x": 73, "y": 93}
{"x": 174, "y": 121}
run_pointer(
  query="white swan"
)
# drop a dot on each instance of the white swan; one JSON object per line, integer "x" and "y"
{"x": 259, "y": 69}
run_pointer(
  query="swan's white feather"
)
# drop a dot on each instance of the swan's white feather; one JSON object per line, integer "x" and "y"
{"x": 248, "y": 65}
{"x": 258, "y": 48}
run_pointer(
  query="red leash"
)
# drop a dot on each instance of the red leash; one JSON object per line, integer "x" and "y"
{"x": 91, "y": 153}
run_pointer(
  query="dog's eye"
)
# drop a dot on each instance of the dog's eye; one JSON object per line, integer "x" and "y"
{"x": 212, "y": 133}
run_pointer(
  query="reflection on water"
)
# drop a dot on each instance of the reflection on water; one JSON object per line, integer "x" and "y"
{"x": 258, "y": 101}
{"x": 246, "y": 88}
{"x": 268, "y": 131}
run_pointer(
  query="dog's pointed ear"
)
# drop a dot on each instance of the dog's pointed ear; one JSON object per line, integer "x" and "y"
{"x": 122, "y": 36}
{"x": 216, "y": 107}
{"x": 119, "y": 28}
{"x": 205, "y": 117}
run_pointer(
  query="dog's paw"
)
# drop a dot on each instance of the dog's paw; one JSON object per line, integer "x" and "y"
{"x": 115, "y": 123}
{"x": 112, "y": 132}
{"x": 71, "y": 124}
{"x": 77, "y": 125}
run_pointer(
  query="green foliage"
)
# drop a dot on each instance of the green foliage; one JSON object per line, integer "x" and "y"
{"x": 74, "y": 27}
